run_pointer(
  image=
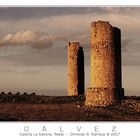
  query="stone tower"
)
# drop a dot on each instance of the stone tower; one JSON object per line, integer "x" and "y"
{"x": 105, "y": 83}
{"x": 75, "y": 69}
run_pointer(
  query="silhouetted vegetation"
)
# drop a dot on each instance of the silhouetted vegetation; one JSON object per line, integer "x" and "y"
{"x": 2, "y": 92}
{"x": 17, "y": 98}
{"x": 9, "y": 93}
{"x": 24, "y": 93}
{"x": 18, "y": 93}
{"x": 33, "y": 93}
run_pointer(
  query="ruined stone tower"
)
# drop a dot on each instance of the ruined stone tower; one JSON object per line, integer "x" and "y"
{"x": 105, "y": 83}
{"x": 75, "y": 69}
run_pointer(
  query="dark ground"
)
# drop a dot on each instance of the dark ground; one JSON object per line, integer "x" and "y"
{"x": 46, "y": 108}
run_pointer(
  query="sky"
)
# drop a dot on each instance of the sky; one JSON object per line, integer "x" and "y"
{"x": 33, "y": 46}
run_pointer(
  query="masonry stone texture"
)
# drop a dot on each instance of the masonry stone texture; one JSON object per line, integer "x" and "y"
{"x": 75, "y": 69}
{"x": 105, "y": 76}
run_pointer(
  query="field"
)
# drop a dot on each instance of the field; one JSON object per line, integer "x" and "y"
{"x": 47, "y": 108}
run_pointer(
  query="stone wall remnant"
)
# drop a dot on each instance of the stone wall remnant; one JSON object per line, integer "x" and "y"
{"x": 105, "y": 76}
{"x": 75, "y": 69}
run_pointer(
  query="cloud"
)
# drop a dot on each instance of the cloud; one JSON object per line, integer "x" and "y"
{"x": 17, "y": 13}
{"x": 42, "y": 28}
{"x": 37, "y": 40}
{"x": 29, "y": 38}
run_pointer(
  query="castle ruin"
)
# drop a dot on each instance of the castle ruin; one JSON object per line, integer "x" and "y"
{"x": 105, "y": 83}
{"x": 75, "y": 69}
